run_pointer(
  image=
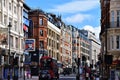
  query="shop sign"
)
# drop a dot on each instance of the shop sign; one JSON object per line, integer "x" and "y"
{"x": 3, "y": 36}
{"x": 30, "y": 44}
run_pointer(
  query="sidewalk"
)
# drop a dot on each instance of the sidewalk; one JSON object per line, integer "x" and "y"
{"x": 21, "y": 78}
{"x": 33, "y": 78}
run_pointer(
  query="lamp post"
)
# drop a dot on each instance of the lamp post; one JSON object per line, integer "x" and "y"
{"x": 9, "y": 26}
{"x": 77, "y": 60}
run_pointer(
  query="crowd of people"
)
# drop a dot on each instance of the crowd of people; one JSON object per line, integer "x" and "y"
{"x": 88, "y": 73}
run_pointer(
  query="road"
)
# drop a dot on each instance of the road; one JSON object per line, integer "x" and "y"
{"x": 62, "y": 77}
{"x": 68, "y": 77}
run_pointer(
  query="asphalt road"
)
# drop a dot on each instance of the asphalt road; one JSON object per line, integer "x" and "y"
{"x": 68, "y": 77}
{"x": 62, "y": 77}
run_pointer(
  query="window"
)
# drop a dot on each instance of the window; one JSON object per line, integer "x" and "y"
{"x": 41, "y": 32}
{"x": 117, "y": 41}
{"x": 15, "y": 25}
{"x": 58, "y": 46}
{"x": 58, "y": 56}
{"x": 17, "y": 42}
{"x": 118, "y": 18}
{"x": 0, "y": 4}
{"x": 49, "y": 32}
{"x": 5, "y": 20}
{"x": 112, "y": 18}
{"x": 0, "y": 17}
{"x": 15, "y": 9}
{"x": 52, "y": 43}
{"x": 41, "y": 21}
{"x": 4, "y": 3}
{"x": 22, "y": 44}
{"x": 10, "y": 6}
{"x": 41, "y": 44}
{"x": 58, "y": 37}
{"x": 49, "y": 42}
{"x": 112, "y": 42}
{"x": 10, "y": 20}
{"x": 11, "y": 41}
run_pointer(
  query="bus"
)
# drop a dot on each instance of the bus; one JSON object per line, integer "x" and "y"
{"x": 48, "y": 68}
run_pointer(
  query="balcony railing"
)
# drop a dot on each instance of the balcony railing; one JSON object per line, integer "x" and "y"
{"x": 115, "y": 24}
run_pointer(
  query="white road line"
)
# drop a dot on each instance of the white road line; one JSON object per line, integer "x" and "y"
{"x": 67, "y": 77}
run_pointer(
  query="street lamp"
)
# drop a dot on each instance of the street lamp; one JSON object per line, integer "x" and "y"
{"x": 77, "y": 60}
{"x": 9, "y": 26}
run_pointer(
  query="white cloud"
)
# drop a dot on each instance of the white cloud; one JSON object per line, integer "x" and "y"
{"x": 78, "y": 18}
{"x": 95, "y": 30}
{"x": 76, "y": 6}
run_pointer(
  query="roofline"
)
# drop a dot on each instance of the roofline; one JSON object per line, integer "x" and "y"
{"x": 26, "y": 6}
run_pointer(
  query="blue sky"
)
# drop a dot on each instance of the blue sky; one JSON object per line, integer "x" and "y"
{"x": 83, "y": 14}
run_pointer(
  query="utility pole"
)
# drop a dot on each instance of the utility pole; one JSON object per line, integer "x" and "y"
{"x": 78, "y": 64}
{"x": 9, "y": 26}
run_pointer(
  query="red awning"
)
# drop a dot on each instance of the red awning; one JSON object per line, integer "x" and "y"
{"x": 116, "y": 62}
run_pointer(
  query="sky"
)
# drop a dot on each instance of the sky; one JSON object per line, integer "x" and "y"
{"x": 83, "y": 14}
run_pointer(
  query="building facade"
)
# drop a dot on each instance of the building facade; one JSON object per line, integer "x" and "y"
{"x": 75, "y": 45}
{"x": 53, "y": 41}
{"x": 84, "y": 49}
{"x": 80, "y": 47}
{"x": 66, "y": 46}
{"x": 39, "y": 34}
{"x": 95, "y": 46}
{"x": 9, "y": 12}
{"x": 110, "y": 36}
{"x": 110, "y": 32}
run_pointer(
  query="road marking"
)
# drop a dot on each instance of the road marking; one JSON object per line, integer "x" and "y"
{"x": 67, "y": 77}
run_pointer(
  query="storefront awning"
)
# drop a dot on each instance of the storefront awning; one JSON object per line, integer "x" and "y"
{"x": 115, "y": 62}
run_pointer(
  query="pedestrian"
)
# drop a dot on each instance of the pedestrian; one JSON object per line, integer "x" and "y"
{"x": 97, "y": 76}
{"x": 87, "y": 72}
{"x": 87, "y": 76}
{"x": 73, "y": 69}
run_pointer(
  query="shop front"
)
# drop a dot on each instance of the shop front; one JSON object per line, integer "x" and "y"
{"x": 115, "y": 70}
